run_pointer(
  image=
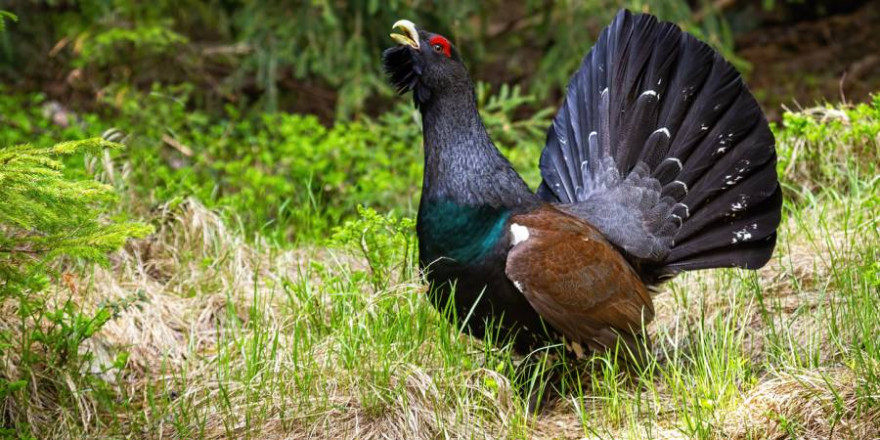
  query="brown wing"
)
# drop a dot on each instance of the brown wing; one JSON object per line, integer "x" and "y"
{"x": 576, "y": 280}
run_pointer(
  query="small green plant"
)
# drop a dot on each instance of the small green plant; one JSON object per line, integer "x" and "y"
{"x": 386, "y": 242}
{"x": 50, "y": 225}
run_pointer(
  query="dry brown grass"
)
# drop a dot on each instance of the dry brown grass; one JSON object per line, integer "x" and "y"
{"x": 816, "y": 405}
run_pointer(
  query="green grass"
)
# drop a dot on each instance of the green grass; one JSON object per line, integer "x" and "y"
{"x": 239, "y": 338}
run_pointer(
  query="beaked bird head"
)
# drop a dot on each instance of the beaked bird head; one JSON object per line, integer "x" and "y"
{"x": 423, "y": 62}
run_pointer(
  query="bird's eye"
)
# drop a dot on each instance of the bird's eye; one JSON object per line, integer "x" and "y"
{"x": 441, "y": 45}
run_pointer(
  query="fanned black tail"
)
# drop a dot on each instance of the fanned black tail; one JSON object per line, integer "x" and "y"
{"x": 660, "y": 145}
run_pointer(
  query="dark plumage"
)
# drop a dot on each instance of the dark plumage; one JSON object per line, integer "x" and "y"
{"x": 658, "y": 161}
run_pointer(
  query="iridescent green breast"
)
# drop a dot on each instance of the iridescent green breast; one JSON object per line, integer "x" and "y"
{"x": 463, "y": 233}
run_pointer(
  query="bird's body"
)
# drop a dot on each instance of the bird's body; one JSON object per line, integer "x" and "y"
{"x": 463, "y": 223}
{"x": 659, "y": 161}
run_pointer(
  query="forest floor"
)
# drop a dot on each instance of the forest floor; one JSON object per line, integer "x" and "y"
{"x": 835, "y": 58}
{"x": 216, "y": 336}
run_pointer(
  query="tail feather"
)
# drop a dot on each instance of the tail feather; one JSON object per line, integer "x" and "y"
{"x": 646, "y": 108}
{"x": 661, "y": 146}
{"x": 749, "y": 255}
{"x": 691, "y": 71}
{"x": 729, "y": 205}
{"x": 753, "y": 228}
{"x": 736, "y": 132}
{"x": 656, "y": 148}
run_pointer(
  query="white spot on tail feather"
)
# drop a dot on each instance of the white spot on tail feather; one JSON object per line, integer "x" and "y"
{"x": 741, "y": 235}
{"x": 520, "y": 234}
{"x": 740, "y": 205}
{"x": 731, "y": 180}
{"x": 649, "y": 93}
{"x": 663, "y": 130}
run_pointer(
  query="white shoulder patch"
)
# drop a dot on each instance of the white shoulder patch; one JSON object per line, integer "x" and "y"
{"x": 520, "y": 234}
{"x": 518, "y": 286}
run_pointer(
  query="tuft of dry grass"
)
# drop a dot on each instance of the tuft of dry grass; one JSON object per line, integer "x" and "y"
{"x": 811, "y": 405}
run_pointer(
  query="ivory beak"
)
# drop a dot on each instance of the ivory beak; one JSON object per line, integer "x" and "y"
{"x": 409, "y": 35}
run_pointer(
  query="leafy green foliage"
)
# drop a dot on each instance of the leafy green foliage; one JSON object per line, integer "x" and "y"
{"x": 103, "y": 48}
{"x": 283, "y": 56}
{"x": 286, "y": 175}
{"x": 25, "y": 121}
{"x": 822, "y": 146}
{"x": 386, "y": 242}
{"x": 6, "y": 15}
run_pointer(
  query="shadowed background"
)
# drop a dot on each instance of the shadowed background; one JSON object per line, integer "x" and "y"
{"x": 321, "y": 57}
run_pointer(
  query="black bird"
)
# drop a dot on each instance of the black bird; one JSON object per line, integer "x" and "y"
{"x": 659, "y": 161}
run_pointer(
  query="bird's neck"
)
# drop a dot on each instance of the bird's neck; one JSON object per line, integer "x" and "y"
{"x": 469, "y": 190}
{"x": 462, "y": 164}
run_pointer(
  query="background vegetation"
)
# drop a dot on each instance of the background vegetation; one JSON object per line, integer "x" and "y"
{"x": 206, "y": 231}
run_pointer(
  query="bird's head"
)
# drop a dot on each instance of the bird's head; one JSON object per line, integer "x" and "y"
{"x": 423, "y": 62}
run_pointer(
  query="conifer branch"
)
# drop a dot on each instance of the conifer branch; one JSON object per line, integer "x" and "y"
{"x": 46, "y": 215}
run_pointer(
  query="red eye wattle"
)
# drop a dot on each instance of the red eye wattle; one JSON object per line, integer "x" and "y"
{"x": 441, "y": 45}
